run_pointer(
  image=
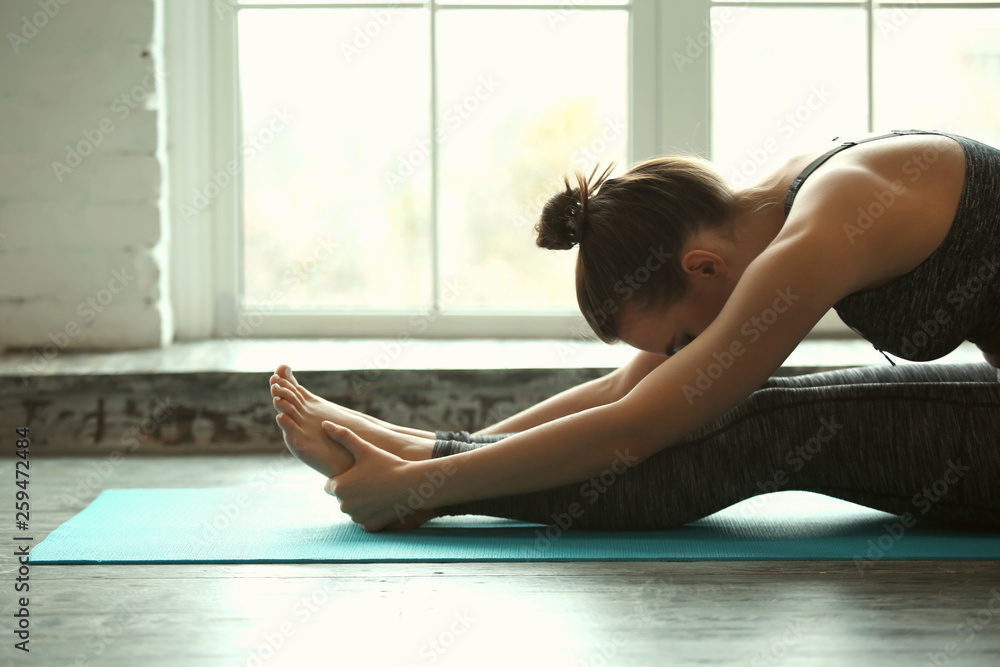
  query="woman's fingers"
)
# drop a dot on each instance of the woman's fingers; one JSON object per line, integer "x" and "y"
{"x": 351, "y": 441}
{"x": 365, "y": 491}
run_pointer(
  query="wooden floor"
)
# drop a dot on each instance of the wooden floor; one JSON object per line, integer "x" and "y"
{"x": 471, "y": 614}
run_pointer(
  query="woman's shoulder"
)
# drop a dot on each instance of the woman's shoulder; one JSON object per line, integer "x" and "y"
{"x": 918, "y": 163}
{"x": 893, "y": 200}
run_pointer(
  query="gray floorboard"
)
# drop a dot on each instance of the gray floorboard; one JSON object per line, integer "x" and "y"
{"x": 572, "y": 614}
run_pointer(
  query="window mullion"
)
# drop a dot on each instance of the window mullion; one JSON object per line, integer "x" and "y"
{"x": 200, "y": 102}
{"x": 227, "y": 206}
{"x": 434, "y": 159}
{"x": 643, "y": 85}
{"x": 870, "y": 63}
{"x": 684, "y": 86}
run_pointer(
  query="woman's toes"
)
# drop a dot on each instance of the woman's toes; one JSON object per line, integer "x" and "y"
{"x": 285, "y": 371}
{"x": 284, "y": 421}
{"x": 287, "y": 384}
{"x": 288, "y": 408}
{"x": 286, "y": 394}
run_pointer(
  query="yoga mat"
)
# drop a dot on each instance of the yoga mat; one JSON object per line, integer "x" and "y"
{"x": 284, "y": 524}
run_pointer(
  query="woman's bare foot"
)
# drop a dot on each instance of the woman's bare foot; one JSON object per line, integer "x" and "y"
{"x": 284, "y": 371}
{"x": 284, "y": 387}
{"x": 300, "y": 415}
{"x": 306, "y": 439}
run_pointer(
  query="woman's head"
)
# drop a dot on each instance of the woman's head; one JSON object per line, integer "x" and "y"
{"x": 631, "y": 230}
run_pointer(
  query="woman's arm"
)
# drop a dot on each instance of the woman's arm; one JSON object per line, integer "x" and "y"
{"x": 776, "y": 302}
{"x": 594, "y": 393}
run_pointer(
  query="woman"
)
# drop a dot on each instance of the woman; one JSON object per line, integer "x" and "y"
{"x": 715, "y": 288}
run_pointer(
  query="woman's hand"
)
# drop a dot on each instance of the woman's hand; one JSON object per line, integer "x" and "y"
{"x": 374, "y": 491}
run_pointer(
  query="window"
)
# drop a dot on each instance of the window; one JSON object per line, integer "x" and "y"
{"x": 393, "y": 156}
{"x": 820, "y": 69}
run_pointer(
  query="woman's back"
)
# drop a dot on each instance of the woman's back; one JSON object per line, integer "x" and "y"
{"x": 923, "y": 212}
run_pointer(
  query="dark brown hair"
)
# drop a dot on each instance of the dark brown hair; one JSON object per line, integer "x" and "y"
{"x": 624, "y": 225}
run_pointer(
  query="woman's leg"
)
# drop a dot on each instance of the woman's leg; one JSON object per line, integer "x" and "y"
{"x": 881, "y": 374}
{"x": 922, "y": 439}
{"x": 885, "y": 373}
{"x": 465, "y": 436}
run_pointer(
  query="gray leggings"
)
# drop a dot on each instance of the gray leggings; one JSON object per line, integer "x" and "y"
{"x": 919, "y": 439}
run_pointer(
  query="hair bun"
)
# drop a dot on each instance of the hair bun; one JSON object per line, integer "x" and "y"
{"x": 559, "y": 225}
{"x": 563, "y": 221}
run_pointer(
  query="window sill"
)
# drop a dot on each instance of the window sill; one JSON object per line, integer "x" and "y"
{"x": 262, "y": 355}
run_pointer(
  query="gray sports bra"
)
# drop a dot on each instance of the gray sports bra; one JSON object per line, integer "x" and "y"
{"x": 954, "y": 294}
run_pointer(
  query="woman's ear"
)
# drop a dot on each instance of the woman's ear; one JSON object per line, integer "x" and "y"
{"x": 704, "y": 264}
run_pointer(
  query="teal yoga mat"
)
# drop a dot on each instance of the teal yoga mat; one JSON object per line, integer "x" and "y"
{"x": 282, "y": 524}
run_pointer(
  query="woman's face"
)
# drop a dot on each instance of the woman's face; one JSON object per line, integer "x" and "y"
{"x": 664, "y": 330}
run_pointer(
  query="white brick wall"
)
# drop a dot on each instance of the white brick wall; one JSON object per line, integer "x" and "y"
{"x": 81, "y": 229}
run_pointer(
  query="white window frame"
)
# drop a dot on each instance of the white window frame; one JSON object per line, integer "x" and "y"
{"x": 669, "y": 111}
{"x": 203, "y": 135}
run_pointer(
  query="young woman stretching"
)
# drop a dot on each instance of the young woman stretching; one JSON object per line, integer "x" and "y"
{"x": 900, "y": 234}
